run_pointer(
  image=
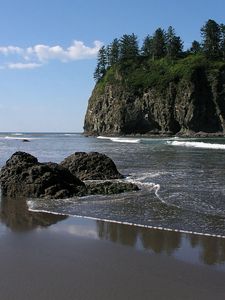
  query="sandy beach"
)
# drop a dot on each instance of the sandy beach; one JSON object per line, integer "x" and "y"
{"x": 79, "y": 258}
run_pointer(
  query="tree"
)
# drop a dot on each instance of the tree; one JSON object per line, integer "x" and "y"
{"x": 211, "y": 38}
{"x": 195, "y": 47}
{"x": 174, "y": 44}
{"x": 128, "y": 46}
{"x": 147, "y": 47}
{"x": 222, "y": 40}
{"x": 101, "y": 64}
{"x": 114, "y": 52}
{"x": 159, "y": 44}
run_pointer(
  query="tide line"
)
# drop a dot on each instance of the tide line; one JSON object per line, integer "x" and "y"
{"x": 161, "y": 228}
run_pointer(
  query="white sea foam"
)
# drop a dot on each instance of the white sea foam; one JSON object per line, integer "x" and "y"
{"x": 151, "y": 186}
{"x": 17, "y": 133}
{"x": 144, "y": 176}
{"x": 125, "y": 140}
{"x": 197, "y": 145}
{"x": 120, "y": 139}
{"x": 19, "y": 138}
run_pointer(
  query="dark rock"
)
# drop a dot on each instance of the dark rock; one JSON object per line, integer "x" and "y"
{"x": 91, "y": 166}
{"x": 110, "y": 187}
{"x": 24, "y": 175}
{"x": 25, "y": 141}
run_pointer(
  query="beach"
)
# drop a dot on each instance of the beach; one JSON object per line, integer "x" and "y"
{"x": 106, "y": 247}
{"x": 81, "y": 258}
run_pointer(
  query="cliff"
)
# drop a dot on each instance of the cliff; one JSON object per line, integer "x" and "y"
{"x": 184, "y": 97}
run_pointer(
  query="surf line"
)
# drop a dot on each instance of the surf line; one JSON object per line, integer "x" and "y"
{"x": 131, "y": 224}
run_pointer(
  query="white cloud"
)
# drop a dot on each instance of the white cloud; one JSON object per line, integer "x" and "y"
{"x": 11, "y": 50}
{"x": 39, "y": 54}
{"x": 75, "y": 52}
{"x": 23, "y": 65}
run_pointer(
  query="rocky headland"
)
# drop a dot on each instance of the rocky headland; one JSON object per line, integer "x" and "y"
{"x": 160, "y": 88}
{"x": 193, "y": 106}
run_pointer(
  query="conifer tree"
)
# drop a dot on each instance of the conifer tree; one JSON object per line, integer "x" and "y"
{"x": 114, "y": 52}
{"x": 129, "y": 46}
{"x": 195, "y": 47}
{"x": 147, "y": 47}
{"x": 211, "y": 38}
{"x": 159, "y": 44}
{"x": 174, "y": 43}
{"x": 101, "y": 64}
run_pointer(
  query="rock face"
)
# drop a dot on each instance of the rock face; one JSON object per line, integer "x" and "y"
{"x": 91, "y": 166}
{"x": 24, "y": 175}
{"x": 186, "y": 107}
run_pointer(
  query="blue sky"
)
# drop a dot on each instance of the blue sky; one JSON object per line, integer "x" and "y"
{"x": 48, "y": 51}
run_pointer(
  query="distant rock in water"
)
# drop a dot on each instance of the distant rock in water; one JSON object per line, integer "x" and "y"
{"x": 25, "y": 141}
{"x": 91, "y": 166}
{"x": 24, "y": 175}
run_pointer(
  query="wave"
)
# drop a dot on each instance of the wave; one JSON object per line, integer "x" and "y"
{"x": 129, "y": 223}
{"x": 151, "y": 186}
{"x": 69, "y": 134}
{"x": 19, "y": 138}
{"x": 202, "y": 145}
{"x": 120, "y": 139}
{"x": 17, "y": 133}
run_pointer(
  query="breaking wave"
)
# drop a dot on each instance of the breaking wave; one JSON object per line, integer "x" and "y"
{"x": 120, "y": 140}
{"x": 19, "y": 138}
{"x": 202, "y": 145}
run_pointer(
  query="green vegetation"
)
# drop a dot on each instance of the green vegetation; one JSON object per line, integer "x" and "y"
{"x": 161, "y": 58}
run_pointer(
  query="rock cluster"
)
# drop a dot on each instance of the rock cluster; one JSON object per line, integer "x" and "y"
{"x": 24, "y": 176}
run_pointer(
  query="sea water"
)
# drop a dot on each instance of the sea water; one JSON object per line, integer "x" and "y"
{"x": 182, "y": 181}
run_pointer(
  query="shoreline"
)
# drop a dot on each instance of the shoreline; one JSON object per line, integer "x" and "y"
{"x": 159, "y": 135}
{"x": 86, "y": 259}
{"x": 130, "y": 224}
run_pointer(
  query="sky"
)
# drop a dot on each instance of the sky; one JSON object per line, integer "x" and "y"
{"x": 48, "y": 52}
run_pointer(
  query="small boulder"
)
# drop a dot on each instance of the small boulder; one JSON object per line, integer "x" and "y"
{"x": 91, "y": 166}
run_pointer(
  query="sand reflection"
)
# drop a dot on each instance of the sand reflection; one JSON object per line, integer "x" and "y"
{"x": 14, "y": 214}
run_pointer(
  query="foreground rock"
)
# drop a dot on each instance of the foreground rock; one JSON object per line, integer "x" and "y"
{"x": 24, "y": 175}
{"x": 91, "y": 166}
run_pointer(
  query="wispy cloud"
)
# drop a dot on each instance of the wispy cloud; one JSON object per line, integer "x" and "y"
{"x": 37, "y": 55}
{"x": 23, "y": 65}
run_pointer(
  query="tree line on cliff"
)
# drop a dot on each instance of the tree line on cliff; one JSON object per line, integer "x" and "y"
{"x": 161, "y": 45}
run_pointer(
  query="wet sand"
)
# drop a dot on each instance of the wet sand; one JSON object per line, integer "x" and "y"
{"x": 78, "y": 258}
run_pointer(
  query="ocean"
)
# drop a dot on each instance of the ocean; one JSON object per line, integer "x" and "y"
{"x": 182, "y": 181}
